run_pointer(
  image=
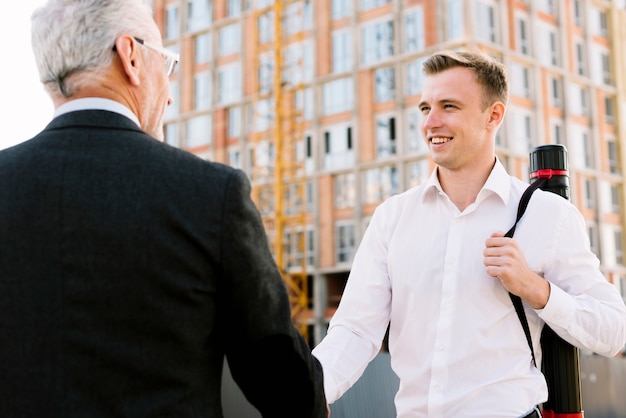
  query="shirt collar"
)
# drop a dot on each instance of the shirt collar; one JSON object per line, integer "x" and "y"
{"x": 96, "y": 103}
{"x": 497, "y": 183}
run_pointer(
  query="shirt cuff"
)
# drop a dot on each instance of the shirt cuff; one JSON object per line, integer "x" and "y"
{"x": 560, "y": 309}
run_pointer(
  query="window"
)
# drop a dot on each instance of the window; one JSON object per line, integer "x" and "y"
{"x": 297, "y": 17}
{"x": 172, "y": 25}
{"x": 341, "y": 9}
{"x": 547, "y": 6}
{"x": 338, "y": 96}
{"x": 486, "y": 21}
{"x": 414, "y": 36}
{"x": 599, "y": 22}
{"x": 198, "y": 131}
{"x": 304, "y": 154}
{"x": 266, "y": 27}
{"x": 344, "y": 233}
{"x": 557, "y": 132}
{"x": 266, "y": 72}
{"x": 229, "y": 37}
{"x": 581, "y": 65}
{"x": 372, "y": 4}
{"x": 414, "y": 139}
{"x": 548, "y": 45}
{"x": 199, "y": 14}
{"x": 234, "y": 8}
{"x": 202, "y": 90}
{"x": 379, "y": 184}
{"x": 385, "y": 137}
{"x": 342, "y": 51}
{"x": 619, "y": 249}
{"x": 615, "y": 206}
{"x": 605, "y": 61}
{"x": 584, "y": 102}
{"x": 414, "y": 76}
{"x": 554, "y": 49}
{"x": 523, "y": 41}
{"x": 229, "y": 84}
{"x": 590, "y": 194}
{"x": 295, "y": 198}
{"x": 298, "y": 248}
{"x": 234, "y": 157}
{"x": 298, "y": 63}
{"x": 377, "y": 41}
{"x": 455, "y": 19}
{"x": 202, "y": 48}
{"x": 264, "y": 155}
{"x": 608, "y": 110}
{"x": 417, "y": 172}
{"x": 578, "y": 13}
{"x": 522, "y": 131}
{"x": 555, "y": 91}
{"x": 345, "y": 191}
{"x": 171, "y": 134}
{"x": 261, "y": 117}
{"x": 581, "y": 152}
{"x": 338, "y": 152}
{"x": 520, "y": 80}
{"x": 234, "y": 122}
{"x": 613, "y": 156}
{"x": 578, "y": 103}
{"x": 592, "y": 231}
{"x": 304, "y": 103}
{"x": 260, "y": 4}
{"x": 385, "y": 84}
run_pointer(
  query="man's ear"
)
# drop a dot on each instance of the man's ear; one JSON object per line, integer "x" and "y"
{"x": 496, "y": 114}
{"x": 127, "y": 49}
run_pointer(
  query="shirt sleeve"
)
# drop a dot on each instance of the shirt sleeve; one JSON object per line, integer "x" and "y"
{"x": 358, "y": 327}
{"x": 584, "y": 308}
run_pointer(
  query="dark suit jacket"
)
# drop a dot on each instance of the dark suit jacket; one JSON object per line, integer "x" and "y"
{"x": 128, "y": 270}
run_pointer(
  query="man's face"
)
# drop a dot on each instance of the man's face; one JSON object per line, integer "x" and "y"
{"x": 157, "y": 92}
{"x": 454, "y": 124}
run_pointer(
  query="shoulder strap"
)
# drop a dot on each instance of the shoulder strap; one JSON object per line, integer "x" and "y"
{"x": 517, "y": 301}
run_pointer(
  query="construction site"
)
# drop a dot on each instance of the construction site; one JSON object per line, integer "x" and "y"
{"x": 317, "y": 102}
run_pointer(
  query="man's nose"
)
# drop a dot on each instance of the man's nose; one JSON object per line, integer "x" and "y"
{"x": 431, "y": 119}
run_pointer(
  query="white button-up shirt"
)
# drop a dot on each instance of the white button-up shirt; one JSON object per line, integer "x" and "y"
{"x": 455, "y": 340}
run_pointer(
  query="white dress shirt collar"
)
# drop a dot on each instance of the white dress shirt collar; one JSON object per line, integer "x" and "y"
{"x": 497, "y": 183}
{"x": 96, "y": 103}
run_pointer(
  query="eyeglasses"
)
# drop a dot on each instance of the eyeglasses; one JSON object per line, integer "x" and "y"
{"x": 171, "y": 58}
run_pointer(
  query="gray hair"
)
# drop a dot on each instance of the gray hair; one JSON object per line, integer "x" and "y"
{"x": 75, "y": 37}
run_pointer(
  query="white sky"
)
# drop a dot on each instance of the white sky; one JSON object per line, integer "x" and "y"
{"x": 25, "y": 108}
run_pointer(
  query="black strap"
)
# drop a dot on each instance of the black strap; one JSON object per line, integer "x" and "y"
{"x": 517, "y": 301}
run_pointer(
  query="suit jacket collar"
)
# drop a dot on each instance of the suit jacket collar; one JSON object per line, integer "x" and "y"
{"x": 93, "y": 118}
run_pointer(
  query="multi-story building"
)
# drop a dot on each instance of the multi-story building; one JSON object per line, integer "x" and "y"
{"x": 336, "y": 130}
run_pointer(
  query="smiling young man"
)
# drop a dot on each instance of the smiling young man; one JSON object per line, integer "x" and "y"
{"x": 435, "y": 266}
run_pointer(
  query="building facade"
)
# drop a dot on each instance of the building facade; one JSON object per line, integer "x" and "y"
{"x": 335, "y": 130}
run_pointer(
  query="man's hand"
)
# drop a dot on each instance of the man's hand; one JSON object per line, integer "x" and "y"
{"x": 505, "y": 261}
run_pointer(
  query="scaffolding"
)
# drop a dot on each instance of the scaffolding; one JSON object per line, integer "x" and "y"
{"x": 279, "y": 178}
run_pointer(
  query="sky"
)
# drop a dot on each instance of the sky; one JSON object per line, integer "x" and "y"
{"x": 25, "y": 108}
